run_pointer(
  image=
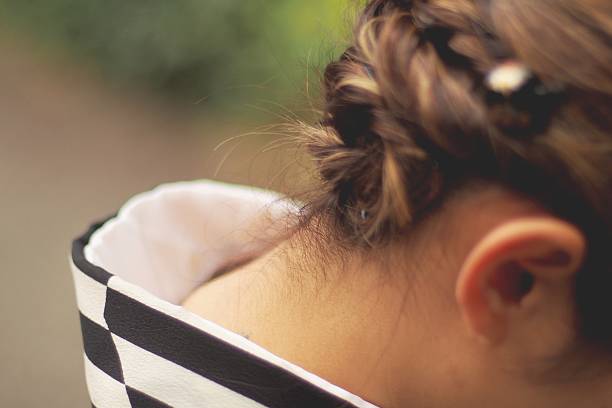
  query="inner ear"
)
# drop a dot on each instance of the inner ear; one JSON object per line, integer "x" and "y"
{"x": 512, "y": 282}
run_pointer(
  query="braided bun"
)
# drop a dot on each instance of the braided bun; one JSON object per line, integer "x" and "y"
{"x": 408, "y": 116}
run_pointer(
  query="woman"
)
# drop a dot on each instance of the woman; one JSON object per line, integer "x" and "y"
{"x": 455, "y": 253}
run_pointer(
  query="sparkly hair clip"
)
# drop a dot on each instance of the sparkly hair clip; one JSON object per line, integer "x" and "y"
{"x": 520, "y": 104}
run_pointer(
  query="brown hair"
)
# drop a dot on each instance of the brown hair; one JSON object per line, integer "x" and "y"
{"x": 409, "y": 119}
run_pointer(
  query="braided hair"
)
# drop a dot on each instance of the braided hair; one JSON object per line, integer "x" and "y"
{"x": 436, "y": 94}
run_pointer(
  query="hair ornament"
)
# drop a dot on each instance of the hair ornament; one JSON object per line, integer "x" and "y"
{"x": 508, "y": 77}
{"x": 520, "y": 104}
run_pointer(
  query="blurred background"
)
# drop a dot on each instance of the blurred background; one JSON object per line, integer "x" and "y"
{"x": 100, "y": 100}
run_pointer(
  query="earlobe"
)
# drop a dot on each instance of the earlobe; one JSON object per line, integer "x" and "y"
{"x": 521, "y": 256}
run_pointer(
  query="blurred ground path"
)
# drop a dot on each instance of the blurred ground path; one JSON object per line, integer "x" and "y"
{"x": 70, "y": 152}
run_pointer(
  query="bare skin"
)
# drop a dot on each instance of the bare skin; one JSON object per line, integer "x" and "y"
{"x": 440, "y": 324}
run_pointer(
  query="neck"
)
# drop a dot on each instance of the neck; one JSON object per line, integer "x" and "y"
{"x": 322, "y": 316}
{"x": 383, "y": 333}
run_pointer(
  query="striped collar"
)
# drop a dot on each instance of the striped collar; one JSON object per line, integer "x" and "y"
{"x": 141, "y": 348}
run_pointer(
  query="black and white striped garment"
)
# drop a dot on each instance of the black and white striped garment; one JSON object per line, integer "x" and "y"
{"x": 142, "y": 349}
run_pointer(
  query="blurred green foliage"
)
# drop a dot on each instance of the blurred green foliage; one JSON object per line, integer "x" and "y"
{"x": 212, "y": 51}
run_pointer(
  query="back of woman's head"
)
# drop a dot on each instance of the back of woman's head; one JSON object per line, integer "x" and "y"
{"x": 437, "y": 95}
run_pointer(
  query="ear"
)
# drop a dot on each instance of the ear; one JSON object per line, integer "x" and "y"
{"x": 516, "y": 274}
